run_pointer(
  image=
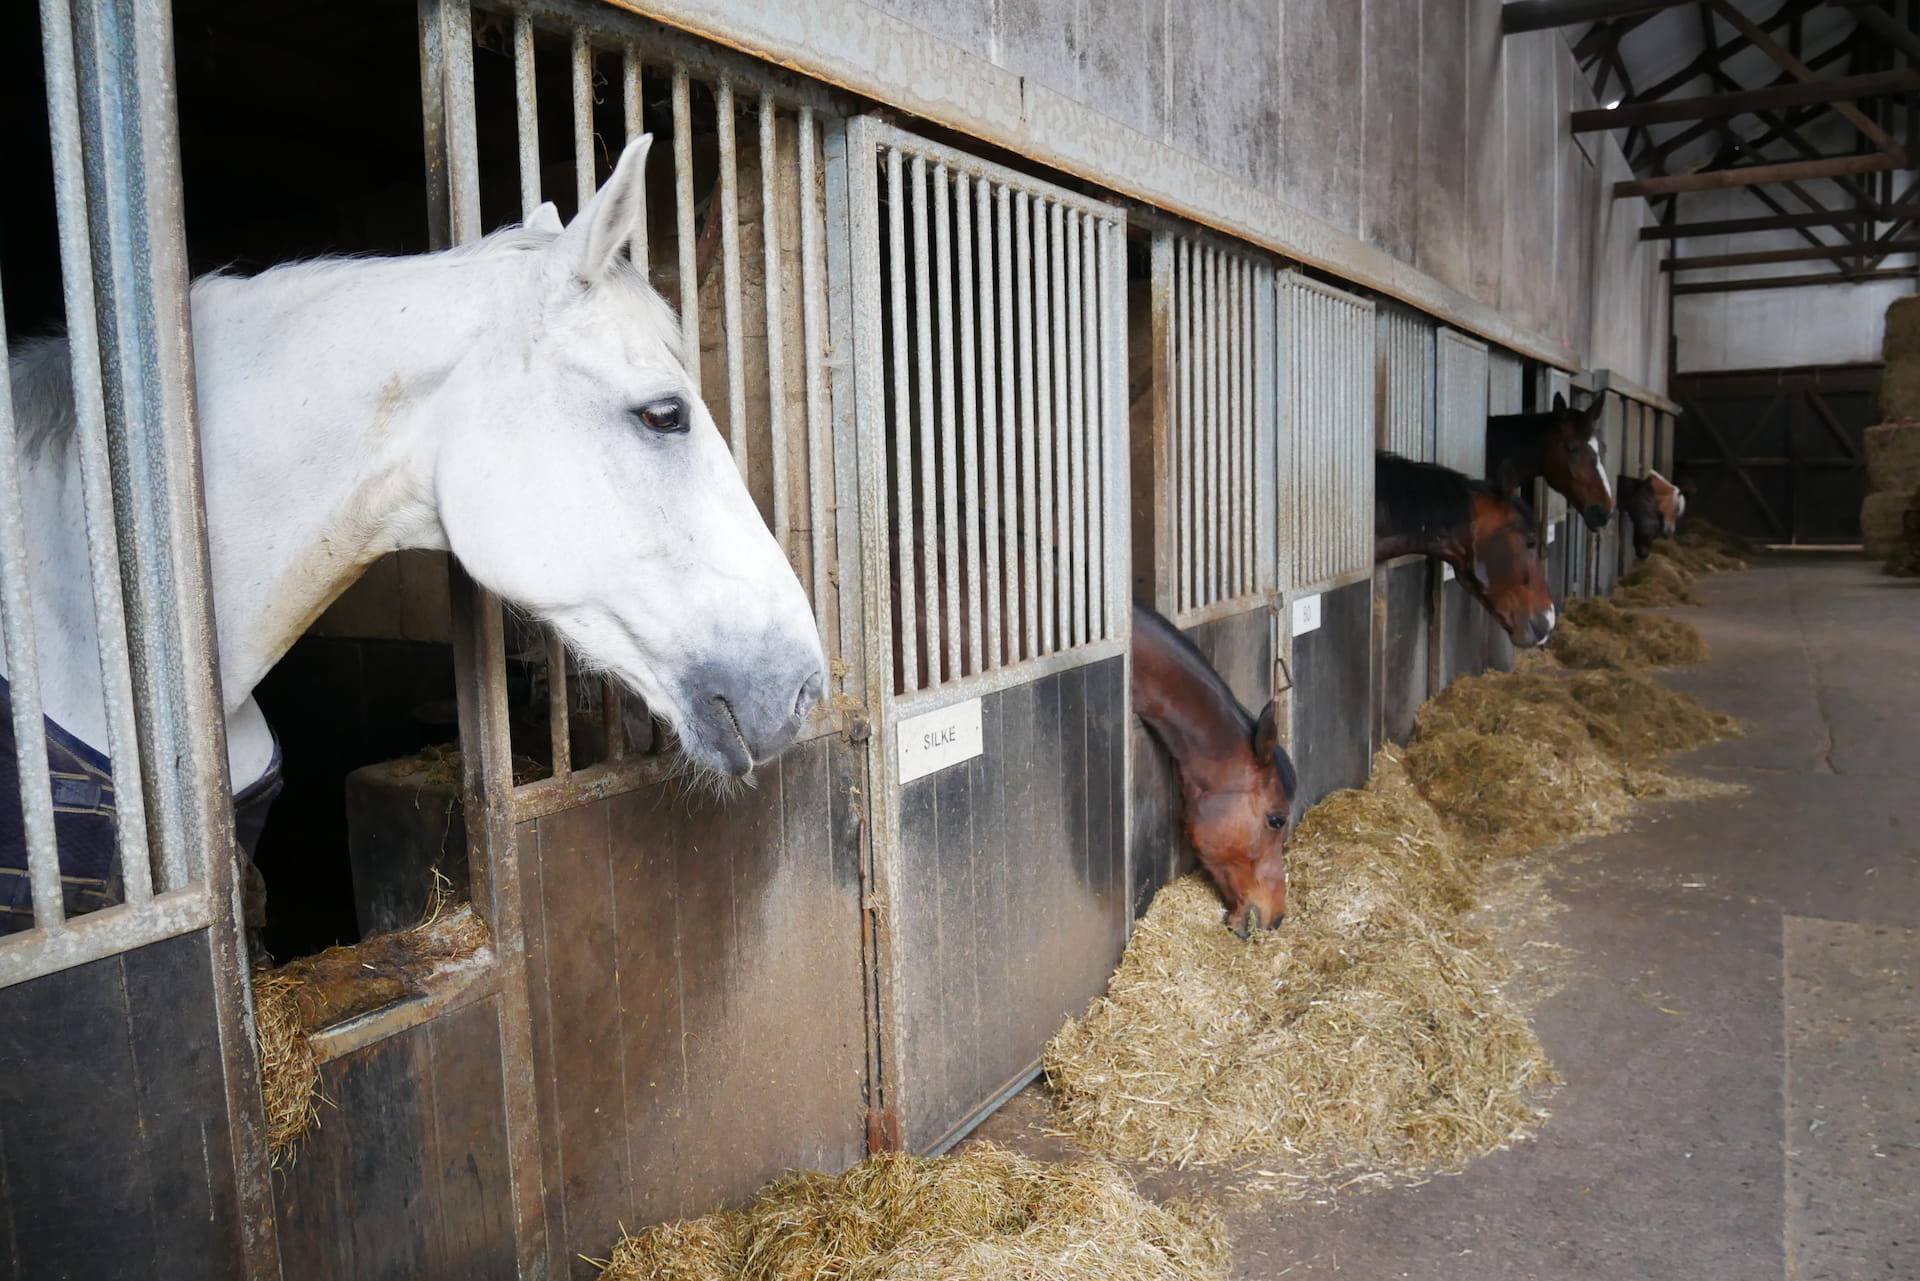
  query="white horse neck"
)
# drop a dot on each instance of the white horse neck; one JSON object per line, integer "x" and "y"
{"x": 317, "y": 422}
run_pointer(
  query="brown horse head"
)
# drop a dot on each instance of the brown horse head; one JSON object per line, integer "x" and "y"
{"x": 1668, "y": 501}
{"x": 1238, "y": 824}
{"x": 1508, "y": 575}
{"x": 1571, "y": 462}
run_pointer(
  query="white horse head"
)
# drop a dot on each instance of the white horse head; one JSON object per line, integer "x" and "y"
{"x": 582, "y": 479}
{"x": 519, "y": 402}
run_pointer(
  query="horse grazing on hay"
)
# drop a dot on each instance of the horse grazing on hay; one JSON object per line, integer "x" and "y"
{"x": 1562, "y": 447}
{"x": 1484, "y": 530}
{"x": 520, "y": 402}
{"x": 1652, "y": 506}
{"x": 1237, "y": 781}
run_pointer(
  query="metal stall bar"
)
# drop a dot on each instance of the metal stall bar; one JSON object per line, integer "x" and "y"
{"x": 904, "y": 538}
{"x": 771, "y": 297}
{"x": 1026, "y": 429}
{"x": 726, "y": 121}
{"x": 927, "y": 424}
{"x": 996, "y": 370}
{"x": 1329, "y": 412}
{"x": 813, "y": 330}
{"x": 972, "y": 531}
{"x": 949, "y": 497}
{"x": 1073, "y": 381}
{"x": 686, "y": 230}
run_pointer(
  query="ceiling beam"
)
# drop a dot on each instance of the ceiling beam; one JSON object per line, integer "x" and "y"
{"x": 1759, "y": 257}
{"x": 1779, "y": 53}
{"x": 1791, "y": 282}
{"x": 1778, "y": 222}
{"x": 1539, "y": 15}
{"x": 1889, "y": 27}
{"x": 1714, "y": 53}
{"x": 1752, "y": 175}
{"x": 1717, "y": 105}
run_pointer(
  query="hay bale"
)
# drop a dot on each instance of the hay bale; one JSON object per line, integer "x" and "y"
{"x": 1371, "y": 1031}
{"x": 1905, "y": 561}
{"x": 1881, "y": 528}
{"x": 1594, "y": 633}
{"x": 982, "y": 1212}
{"x": 302, "y": 997}
{"x": 1899, "y": 395}
{"x": 1655, "y": 583}
{"x": 1893, "y": 458}
{"x": 1902, "y": 336}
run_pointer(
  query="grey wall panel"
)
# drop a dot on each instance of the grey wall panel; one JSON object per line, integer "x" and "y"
{"x": 1463, "y": 629}
{"x": 1322, "y": 157}
{"x": 1332, "y": 711}
{"x": 1390, "y": 194}
{"x": 1223, "y": 63}
{"x": 1409, "y": 626}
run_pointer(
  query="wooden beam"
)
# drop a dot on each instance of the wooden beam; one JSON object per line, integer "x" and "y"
{"x": 1779, "y": 53}
{"x": 1756, "y": 257}
{"x": 1752, "y": 175}
{"x": 1538, "y": 15}
{"x": 1889, "y": 27}
{"x": 1712, "y": 106}
{"x": 1778, "y": 222}
{"x": 1792, "y": 282}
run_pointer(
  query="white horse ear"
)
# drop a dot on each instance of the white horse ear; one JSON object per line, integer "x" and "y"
{"x": 545, "y": 218}
{"x": 602, "y": 229}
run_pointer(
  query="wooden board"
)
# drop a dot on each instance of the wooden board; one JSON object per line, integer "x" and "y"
{"x": 114, "y": 1157}
{"x": 1015, "y": 895}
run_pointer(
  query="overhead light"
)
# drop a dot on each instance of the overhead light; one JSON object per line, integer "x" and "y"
{"x": 1611, "y": 105}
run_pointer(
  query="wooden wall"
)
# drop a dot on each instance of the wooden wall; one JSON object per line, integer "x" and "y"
{"x": 1013, "y": 894}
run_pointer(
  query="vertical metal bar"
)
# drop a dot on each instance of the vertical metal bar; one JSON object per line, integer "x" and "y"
{"x": 1093, "y": 431}
{"x": 580, "y": 67}
{"x": 730, "y": 274}
{"x": 86, "y": 370}
{"x": 23, "y": 675}
{"x": 1210, "y": 425}
{"x": 633, "y": 102}
{"x": 1073, "y": 478}
{"x": 990, "y": 534}
{"x": 904, "y": 544}
{"x": 1043, "y": 294}
{"x": 526, "y": 104}
{"x": 978, "y": 601}
{"x": 1007, "y": 535}
{"x": 557, "y": 718}
{"x": 948, "y": 460}
{"x": 773, "y": 295}
{"x": 684, "y": 228}
{"x": 928, "y": 424}
{"x": 813, "y": 360}
{"x": 1185, "y": 452}
{"x": 1236, "y": 407}
{"x": 1249, "y": 429}
{"x": 1032, "y": 405}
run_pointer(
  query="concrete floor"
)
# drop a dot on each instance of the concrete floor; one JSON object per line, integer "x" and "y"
{"x": 1739, "y": 1021}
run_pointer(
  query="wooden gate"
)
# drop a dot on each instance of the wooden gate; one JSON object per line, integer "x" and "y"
{"x": 989, "y": 344}
{"x": 1776, "y": 455}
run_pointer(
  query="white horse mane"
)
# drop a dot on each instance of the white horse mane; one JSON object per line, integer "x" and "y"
{"x": 40, "y": 369}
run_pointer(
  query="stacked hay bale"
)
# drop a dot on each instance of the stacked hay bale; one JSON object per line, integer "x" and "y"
{"x": 1893, "y": 448}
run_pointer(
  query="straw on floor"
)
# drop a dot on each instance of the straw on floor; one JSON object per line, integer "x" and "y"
{"x": 1656, "y": 582}
{"x": 977, "y": 1214}
{"x": 1594, "y": 632}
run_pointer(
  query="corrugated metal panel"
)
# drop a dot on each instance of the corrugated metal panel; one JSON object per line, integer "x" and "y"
{"x": 1408, "y": 338}
{"x": 1506, "y": 383}
{"x": 1327, "y": 405}
{"x": 998, "y": 314}
{"x": 1461, "y": 401}
{"x": 1220, "y": 411}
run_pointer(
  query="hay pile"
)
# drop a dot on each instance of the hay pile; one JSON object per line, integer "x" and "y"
{"x": 983, "y": 1212}
{"x": 1374, "y": 1030}
{"x": 302, "y": 997}
{"x": 1517, "y": 761}
{"x": 1893, "y": 486}
{"x": 1371, "y": 1031}
{"x": 1655, "y": 583}
{"x": 1593, "y": 632}
{"x": 1900, "y": 381}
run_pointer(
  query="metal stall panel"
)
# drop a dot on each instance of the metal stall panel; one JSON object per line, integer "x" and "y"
{"x": 1604, "y": 547}
{"x": 989, "y": 343}
{"x": 1506, "y": 394}
{"x": 1552, "y": 504}
{"x": 1328, "y": 380}
{"x": 676, "y": 1008}
{"x": 1461, "y": 624}
{"x": 129, "y": 1102}
{"x": 1405, "y": 589}
{"x": 1205, "y": 480}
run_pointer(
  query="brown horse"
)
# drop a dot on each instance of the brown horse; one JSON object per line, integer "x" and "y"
{"x": 1652, "y": 507}
{"x": 1485, "y": 531}
{"x": 1563, "y": 447}
{"x": 1237, "y": 780}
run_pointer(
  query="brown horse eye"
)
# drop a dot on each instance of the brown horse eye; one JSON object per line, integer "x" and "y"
{"x": 665, "y": 416}
{"x": 1276, "y": 821}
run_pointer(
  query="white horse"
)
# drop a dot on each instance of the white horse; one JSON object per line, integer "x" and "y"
{"x": 519, "y": 402}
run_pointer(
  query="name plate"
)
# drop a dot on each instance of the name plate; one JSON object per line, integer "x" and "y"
{"x": 1553, "y": 532}
{"x": 934, "y": 740}
{"x": 1306, "y": 614}
{"x": 1446, "y": 573}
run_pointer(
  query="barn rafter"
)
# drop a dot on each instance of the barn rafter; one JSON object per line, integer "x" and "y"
{"x": 1808, "y": 107}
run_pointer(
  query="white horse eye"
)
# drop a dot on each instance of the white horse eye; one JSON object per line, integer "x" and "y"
{"x": 666, "y": 416}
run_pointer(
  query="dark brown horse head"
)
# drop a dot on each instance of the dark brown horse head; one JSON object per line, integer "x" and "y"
{"x": 1571, "y": 462}
{"x": 1238, "y": 826}
{"x": 1509, "y": 577}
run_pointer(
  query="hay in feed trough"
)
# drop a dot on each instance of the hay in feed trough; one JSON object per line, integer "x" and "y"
{"x": 1370, "y": 1031}
{"x": 1594, "y": 632}
{"x": 1699, "y": 556}
{"x": 1654, "y": 583}
{"x": 982, "y": 1212}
